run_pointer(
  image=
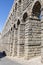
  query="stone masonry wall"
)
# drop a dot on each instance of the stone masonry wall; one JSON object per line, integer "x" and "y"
{"x": 24, "y": 38}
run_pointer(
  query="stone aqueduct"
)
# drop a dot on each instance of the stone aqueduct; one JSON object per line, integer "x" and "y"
{"x": 22, "y": 35}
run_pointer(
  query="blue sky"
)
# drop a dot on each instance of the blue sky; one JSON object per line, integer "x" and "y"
{"x": 5, "y": 7}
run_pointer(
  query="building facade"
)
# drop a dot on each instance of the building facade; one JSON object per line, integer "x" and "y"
{"x": 22, "y": 34}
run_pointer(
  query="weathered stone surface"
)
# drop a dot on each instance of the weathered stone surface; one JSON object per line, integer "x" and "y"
{"x": 21, "y": 35}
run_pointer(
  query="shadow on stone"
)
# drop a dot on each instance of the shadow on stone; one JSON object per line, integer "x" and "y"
{"x": 2, "y": 54}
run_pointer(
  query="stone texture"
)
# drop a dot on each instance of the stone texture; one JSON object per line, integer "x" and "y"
{"x": 21, "y": 35}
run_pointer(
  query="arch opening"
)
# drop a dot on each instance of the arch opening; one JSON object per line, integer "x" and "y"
{"x": 36, "y": 11}
{"x": 11, "y": 28}
{"x": 14, "y": 25}
{"x": 25, "y": 16}
{"x": 16, "y": 6}
{"x": 19, "y": 1}
{"x": 18, "y": 22}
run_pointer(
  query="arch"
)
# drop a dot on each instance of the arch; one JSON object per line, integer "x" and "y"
{"x": 18, "y": 22}
{"x": 14, "y": 26}
{"x": 20, "y": 1}
{"x": 36, "y": 10}
{"x": 16, "y": 6}
{"x": 25, "y": 16}
{"x": 11, "y": 28}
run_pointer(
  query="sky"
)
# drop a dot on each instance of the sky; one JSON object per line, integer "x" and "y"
{"x": 5, "y": 7}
